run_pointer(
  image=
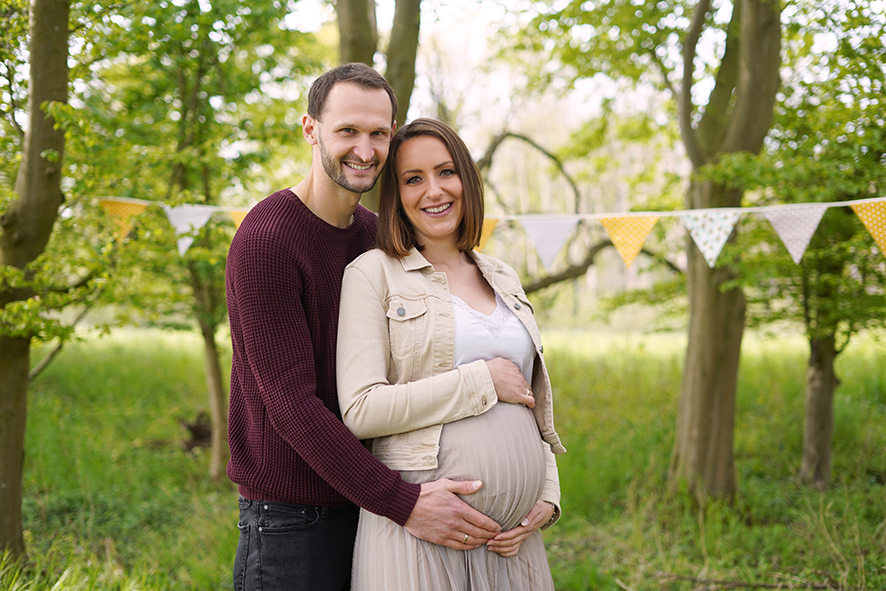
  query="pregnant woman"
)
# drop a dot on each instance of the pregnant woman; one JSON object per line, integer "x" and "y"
{"x": 440, "y": 367}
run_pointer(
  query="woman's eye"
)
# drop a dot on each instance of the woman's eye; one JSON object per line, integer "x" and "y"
{"x": 412, "y": 180}
{"x": 447, "y": 172}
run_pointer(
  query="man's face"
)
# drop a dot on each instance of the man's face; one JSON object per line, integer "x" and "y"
{"x": 353, "y": 135}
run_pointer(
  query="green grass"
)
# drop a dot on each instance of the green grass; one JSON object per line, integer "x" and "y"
{"x": 113, "y": 501}
{"x": 616, "y": 402}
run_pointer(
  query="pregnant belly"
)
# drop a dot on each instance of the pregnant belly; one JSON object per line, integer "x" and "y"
{"x": 501, "y": 447}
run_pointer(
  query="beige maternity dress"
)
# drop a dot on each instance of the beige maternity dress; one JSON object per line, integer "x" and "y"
{"x": 503, "y": 448}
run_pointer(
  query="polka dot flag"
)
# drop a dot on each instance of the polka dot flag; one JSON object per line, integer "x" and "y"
{"x": 710, "y": 229}
{"x": 873, "y": 216}
{"x": 795, "y": 226}
{"x": 628, "y": 234}
{"x": 122, "y": 212}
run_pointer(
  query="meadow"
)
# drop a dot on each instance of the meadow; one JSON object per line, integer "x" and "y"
{"x": 114, "y": 501}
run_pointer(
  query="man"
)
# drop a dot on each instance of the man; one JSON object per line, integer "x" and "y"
{"x": 298, "y": 469}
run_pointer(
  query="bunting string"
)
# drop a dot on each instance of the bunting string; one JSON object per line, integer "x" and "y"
{"x": 794, "y": 223}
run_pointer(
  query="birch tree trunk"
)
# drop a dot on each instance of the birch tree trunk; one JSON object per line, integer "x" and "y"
{"x": 26, "y": 226}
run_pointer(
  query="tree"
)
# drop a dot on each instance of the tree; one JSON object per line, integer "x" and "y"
{"x": 185, "y": 114}
{"x": 358, "y": 34}
{"x": 27, "y": 223}
{"x": 658, "y": 44}
{"x": 828, "y": 144}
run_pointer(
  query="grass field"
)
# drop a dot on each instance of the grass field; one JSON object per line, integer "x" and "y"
{"x": 113, "y": 501}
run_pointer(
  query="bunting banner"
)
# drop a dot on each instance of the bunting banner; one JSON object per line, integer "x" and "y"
{"x": 873, "y": 216}
{"x": 123, "y": 212}
{"x": 628, "y": 234}
{"x": 710, "y": 229}
{"x": 549, "y": 234}
{"x": 796, "y": 226}
{"x": 488, "y": 229}
{"x": 187, "y": 220}
{"x": 237, "y": 215}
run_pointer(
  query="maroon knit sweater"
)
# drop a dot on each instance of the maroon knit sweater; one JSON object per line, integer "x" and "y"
{"x": 288, "y": 443}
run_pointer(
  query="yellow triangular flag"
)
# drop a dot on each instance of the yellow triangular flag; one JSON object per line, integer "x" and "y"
{"x": 238, "y": 216}
{"x": 873, "y": 216}
{"x": 122, "y": 211}
{"x": 488, "y": 227}
{"x": 628, "y": 234}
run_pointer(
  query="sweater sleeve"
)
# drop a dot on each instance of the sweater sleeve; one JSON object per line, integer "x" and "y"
{"x": 268, "y": 281}
{"x": 373, "y": 407}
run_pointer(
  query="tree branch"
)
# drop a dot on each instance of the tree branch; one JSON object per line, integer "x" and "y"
{"x": 758, "y": 76}
{"x": 486, "y": 161}
{"x": 713, "y": 125}
{"x": 38, "y": 369}
{"x": 684, "y": 100}
{"x": 576, "y": 271}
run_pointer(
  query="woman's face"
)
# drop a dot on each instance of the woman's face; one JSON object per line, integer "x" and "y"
{"x": 431, "y": 192}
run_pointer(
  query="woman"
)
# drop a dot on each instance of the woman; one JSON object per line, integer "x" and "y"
{"x": 437, "y": 349}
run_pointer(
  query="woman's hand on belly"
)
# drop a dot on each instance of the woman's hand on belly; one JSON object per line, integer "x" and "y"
{"x": 510, "y": 385}
{"x": 508, "y": 543}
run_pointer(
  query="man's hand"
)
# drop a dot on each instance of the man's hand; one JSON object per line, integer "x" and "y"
{"x": 440, "y": 517}
{"x": 508, "y": 543}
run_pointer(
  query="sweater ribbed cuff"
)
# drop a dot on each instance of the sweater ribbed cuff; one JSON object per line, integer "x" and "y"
{"x": 403, "y": 502}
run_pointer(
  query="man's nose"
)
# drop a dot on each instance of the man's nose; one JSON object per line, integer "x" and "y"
{"x": 364, "y": 149}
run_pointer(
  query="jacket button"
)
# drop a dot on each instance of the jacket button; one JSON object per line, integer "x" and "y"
{"x": 401, "y": 311}
{"x": 517, "y": 306}
{"x": 541, "y": 349}
{"x": 483, "y": 400}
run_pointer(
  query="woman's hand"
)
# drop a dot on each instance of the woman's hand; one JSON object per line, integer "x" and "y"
{"x": 510, "y": 385}
{"x": 508, "y": 543}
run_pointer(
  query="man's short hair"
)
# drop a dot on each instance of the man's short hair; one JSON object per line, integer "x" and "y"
{"x": 396, "y": 234}
{"x": 353, "y": 73}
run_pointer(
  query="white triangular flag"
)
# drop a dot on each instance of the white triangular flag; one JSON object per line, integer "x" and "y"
{"x": 187, "y": 219}
{"x": 795, "y": 226}
{"x": 549, "y": 234}
{"x": 710, "y": 229}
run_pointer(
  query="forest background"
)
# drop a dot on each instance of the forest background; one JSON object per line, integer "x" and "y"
{"x": 571, "y": 107}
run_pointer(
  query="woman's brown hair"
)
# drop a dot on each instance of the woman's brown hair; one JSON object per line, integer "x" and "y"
{"x": 396, "y": 236}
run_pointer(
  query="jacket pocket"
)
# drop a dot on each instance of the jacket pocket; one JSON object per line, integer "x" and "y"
{"x": 407, "y": 323}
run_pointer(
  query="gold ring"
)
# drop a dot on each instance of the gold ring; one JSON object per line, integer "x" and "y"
{"x": 465, "y": 541}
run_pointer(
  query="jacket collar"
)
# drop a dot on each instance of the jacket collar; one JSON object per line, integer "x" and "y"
{"x": 414, "y": 261}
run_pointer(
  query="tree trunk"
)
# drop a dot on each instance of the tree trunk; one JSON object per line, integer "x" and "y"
{"x": 357, "y": 31}
{"x": 207, "y": 304}
{"x": 821, "y": 382}
{"x": 737, "y": 118}
{"x": 26, "y": 227}
{"x": 703, "y": 454}
{"x": 402, "y": 51}
{"x": 218, "y": 403}
{"x": 14, "y": 358}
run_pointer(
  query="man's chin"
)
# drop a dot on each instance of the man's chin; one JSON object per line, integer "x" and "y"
{"x": 364, "y": 187}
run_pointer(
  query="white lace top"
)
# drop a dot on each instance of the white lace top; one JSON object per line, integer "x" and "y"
{"x": 501, "y": 334}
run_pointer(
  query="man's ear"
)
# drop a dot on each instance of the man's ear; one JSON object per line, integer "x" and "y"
{"x": 310, "y": 129}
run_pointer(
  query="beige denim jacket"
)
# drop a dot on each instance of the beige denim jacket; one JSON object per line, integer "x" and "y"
{"x": 396, "y": 344}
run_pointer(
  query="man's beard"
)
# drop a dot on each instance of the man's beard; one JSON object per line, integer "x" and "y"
{"x": 334, "y": 171}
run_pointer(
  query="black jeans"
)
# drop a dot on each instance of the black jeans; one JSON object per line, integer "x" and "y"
{"x": 287, "y": 547}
